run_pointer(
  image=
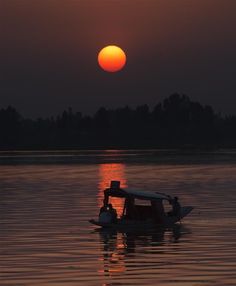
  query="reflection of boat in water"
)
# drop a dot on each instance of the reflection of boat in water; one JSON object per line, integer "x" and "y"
{"x": 130, "y": 238}
{"x": 119, "y": 246}
{"x": 140, "y": 210}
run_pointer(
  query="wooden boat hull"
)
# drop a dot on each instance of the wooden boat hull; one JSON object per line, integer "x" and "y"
{"x": 124, "y": 224}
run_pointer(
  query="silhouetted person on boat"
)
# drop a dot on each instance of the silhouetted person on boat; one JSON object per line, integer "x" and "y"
{"x": 104, "y": 208}
{"x": 176, "y": 207}
{"x": 104, "y": 214}
{"x": 107, "y": 214}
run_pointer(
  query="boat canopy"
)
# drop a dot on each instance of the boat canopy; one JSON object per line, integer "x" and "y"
{"x": 129, "y": 193}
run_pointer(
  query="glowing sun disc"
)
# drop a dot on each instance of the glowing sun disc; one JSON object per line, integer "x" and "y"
{"x": 112, "y": 58}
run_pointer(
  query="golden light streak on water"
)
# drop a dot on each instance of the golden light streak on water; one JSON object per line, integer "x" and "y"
{"x": 107, "y": 173}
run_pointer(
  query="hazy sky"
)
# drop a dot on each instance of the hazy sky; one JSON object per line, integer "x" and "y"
{"x": 48, "y": 53}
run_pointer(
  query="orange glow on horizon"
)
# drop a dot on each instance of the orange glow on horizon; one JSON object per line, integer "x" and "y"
{"x": 112, "y": 58}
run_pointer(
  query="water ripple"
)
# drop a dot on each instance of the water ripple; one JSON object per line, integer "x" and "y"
{"x": 46, "y": 239}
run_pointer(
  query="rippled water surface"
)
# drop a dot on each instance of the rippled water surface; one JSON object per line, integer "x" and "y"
{"x": 46, "y": 239}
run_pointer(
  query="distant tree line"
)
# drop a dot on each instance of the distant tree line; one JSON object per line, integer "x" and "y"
{"x": 177, "y": 122}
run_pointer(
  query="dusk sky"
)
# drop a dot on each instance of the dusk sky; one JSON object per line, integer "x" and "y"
{"x": 48, "y": 53}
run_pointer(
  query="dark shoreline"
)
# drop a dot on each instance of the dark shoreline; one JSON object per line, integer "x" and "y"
{"x": 176, "y": 123}
{"x": 131, "y": 156}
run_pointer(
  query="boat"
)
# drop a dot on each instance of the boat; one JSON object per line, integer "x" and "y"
{"x": 141, "y": 210}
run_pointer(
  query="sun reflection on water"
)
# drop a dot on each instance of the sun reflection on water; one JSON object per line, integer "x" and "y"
{"x": 107, "y": 173}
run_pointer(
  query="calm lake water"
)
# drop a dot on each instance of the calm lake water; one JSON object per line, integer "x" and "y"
{"x": 46, "y": 200}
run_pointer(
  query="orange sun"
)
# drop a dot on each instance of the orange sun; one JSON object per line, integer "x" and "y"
{"x": 111, "y": 58}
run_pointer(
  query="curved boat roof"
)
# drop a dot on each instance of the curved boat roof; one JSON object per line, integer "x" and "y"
{"x": 143, "y": 195}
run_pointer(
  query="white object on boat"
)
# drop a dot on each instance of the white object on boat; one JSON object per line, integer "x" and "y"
{"x": 105, "y": 217}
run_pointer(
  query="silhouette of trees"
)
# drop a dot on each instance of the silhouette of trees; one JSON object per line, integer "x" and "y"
{"x": 177, "y": 122}
{"x": 10, "y": 123}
